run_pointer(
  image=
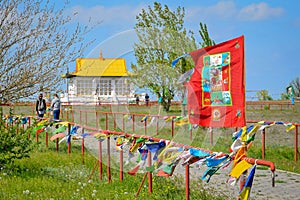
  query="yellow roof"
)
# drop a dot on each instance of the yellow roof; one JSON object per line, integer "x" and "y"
{"x": 100, "y": 67}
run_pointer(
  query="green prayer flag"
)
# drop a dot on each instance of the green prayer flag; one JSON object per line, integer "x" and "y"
{"x": 59, "y": 130}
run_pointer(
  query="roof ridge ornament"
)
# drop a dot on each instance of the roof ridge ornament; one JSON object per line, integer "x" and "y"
{"x": 101, "y": 56}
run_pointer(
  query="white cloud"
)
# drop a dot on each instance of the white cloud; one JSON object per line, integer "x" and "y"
{"x": 221, "y": 10}
{"x": 260, "y": 11}
{"x": 229, "y": 10}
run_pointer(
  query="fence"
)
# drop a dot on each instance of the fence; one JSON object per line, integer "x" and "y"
{"x": 109, "y": 122}
{"x": 83, "y": 119}
{"x": 148, "y": 174}
{"x": 269, "y": 105}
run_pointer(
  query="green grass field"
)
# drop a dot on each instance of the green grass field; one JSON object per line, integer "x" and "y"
{"x": 58, "y": 175}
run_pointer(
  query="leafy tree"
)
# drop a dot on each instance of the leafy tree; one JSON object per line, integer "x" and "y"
{"x": 284, "y": 96}
{"x": 207, "y": 41}
{"x": 263, "y": 95}
{"x": 162, "y": 38}
{"x": 36, "y": 45}
{"x": 296, "y": 86}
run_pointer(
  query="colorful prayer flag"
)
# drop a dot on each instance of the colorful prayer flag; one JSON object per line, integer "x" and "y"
{"x": 245, "y": 192}
{"x": 238, "y": 169}
{"x": 216, "y": 90}
{"x": 60, "y": 130}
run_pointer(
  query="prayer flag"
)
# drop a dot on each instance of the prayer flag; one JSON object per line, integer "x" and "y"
{"x": 207, "y": 174}
{"x": 40, "y": 130}
{"x": 59, "y": 130}
{"x": 59, "y": 135}
{"x": 216, "y": 90}
{"x": 174, "y": 62}
{"x": 24, "y": 120}
{"x": 42, "y": 123}
{"x": 238, "y": 169}
{"x": 198, "y": 153}
{"x": 245, "y": 192}
{"x": 74, "y": 130}
{"x": 134, "y": 170}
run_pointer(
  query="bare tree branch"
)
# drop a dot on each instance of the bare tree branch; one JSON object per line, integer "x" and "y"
{"x": 37, "y": 42}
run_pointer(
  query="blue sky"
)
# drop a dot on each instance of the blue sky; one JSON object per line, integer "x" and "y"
{"x": 271, "y": 30}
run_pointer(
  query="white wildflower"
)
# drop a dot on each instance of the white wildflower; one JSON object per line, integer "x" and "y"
{"x": 26, "y": 191}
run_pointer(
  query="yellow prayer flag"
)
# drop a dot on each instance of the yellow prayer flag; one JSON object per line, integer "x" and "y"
{"x": 240, "y": 168}
{"x": 41, "y": 123}
{"x": 244, "y": 134}
{"x": 63, "y": 123}
{"x": 290, "y": 128}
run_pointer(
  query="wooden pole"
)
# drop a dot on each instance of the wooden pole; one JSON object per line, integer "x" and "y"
{"x": 187, "y": 182}
{"x": 149, "y": 173}
{"x": 296, "y": 144}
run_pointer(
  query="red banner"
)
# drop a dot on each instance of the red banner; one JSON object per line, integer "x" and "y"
{"x": 216, "y": 90}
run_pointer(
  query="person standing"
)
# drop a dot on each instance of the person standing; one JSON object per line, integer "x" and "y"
{"x": 137, "y": 99}
{"x": 147, "y": 99}
{"x": 40, "y": 106}
{"x": 55, "y": 107}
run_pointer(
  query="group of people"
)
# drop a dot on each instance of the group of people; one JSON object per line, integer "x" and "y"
{"x": 41, "y": 106}
{"x": 137, "y": 99}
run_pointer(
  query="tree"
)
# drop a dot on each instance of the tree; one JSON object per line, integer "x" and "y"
{"x": 36, "y": 45}
{"x": 162, "y": 38}
{"x": 263, "y": 95}
{"x": 296, "y": 87}
{"x": 207, "y": 41}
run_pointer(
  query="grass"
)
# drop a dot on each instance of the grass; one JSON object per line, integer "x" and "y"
{"x": 57, "y": 175}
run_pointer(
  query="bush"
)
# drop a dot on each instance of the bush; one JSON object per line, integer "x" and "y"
{"x": 14, "y": 141}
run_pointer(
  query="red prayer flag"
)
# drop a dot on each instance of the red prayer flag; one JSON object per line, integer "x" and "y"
{"x": 216, "y": 90}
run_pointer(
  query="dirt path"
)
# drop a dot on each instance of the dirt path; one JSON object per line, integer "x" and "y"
{"x": 286, "y": 185}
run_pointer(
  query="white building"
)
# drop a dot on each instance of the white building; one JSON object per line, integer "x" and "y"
{"x": 99, "y": 79}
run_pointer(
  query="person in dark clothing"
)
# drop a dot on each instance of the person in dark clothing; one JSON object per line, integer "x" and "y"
{"x": 147, "y": 99}
{"x": 40, "y": 107}
{"x": 137, "y": 100}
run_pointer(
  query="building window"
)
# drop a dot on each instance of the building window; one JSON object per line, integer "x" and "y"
{"x": 122, "y": 87}
{"x": 87, "y": 86}
{"x": 105, "y": 87}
